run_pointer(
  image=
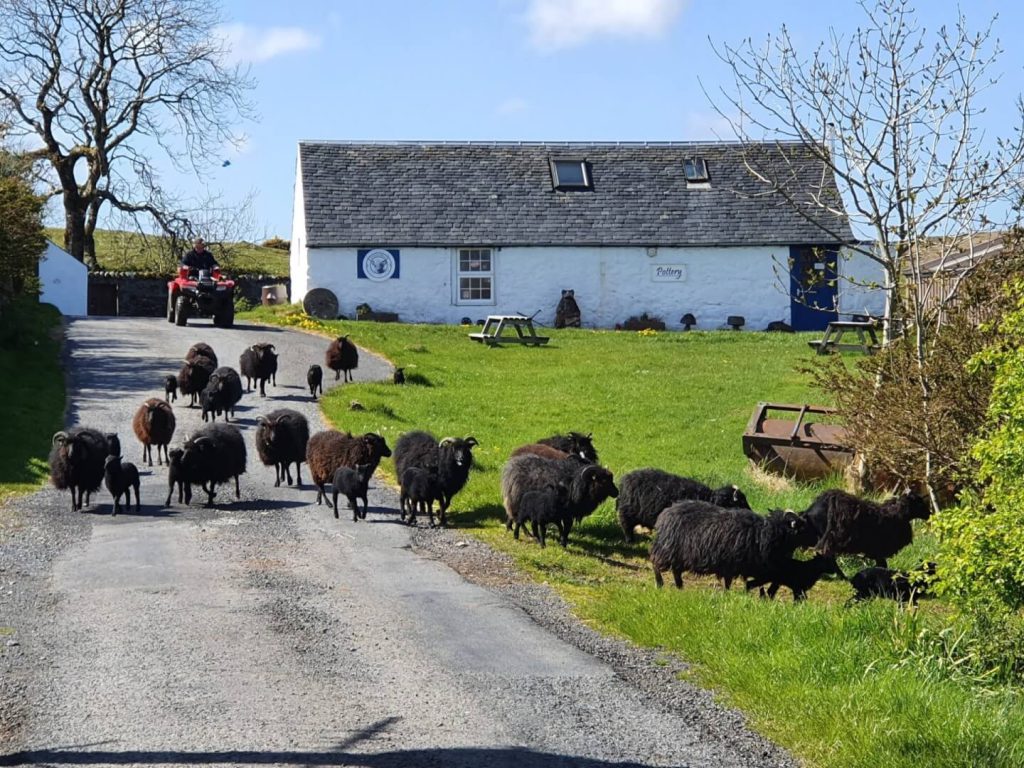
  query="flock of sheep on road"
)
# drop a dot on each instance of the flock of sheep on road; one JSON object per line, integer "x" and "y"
{"x": 556, "y": 481}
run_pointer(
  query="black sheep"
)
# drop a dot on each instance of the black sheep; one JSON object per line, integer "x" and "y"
{"x": 258, "y": 363}
{"x": 848, "y": 525}
{"x": 575, "y": 442}
{"x": 894, "y": 585}
{"x": 399, "y": 376}
{"x": 113, "y": 444}
{"x": 202, "y": 349}
{"x": 222, "y": 393}
{"x": 543, "y": 507}
{"x": 644, "y": 493}
{"x": 77, "y": 458}
{"x": 176, "y": 478}
{"x": 353, "y": 483}
{"x": 342, "y": 355}
{"x": 281, "y": 439}
{"x": 215, "y": 453}
{"x": 194, "y": 376}
{"x": 420, "y": 489}
{"x": 120, "y": 477}
{"x": 315, "y": 380}
{"x": 170, "y": 388}
{"x": 588, "y": 484}
{"x": 330, "y": 449}
{"x": 699, "y": 537}
{"x": 451, "y": 459}
{"x": 798, "y": 575}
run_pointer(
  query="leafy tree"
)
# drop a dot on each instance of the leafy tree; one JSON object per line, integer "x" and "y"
{"x": 894, "y": 113}
{"x": 21, "y": 229}
{"x": 97, "y": 85}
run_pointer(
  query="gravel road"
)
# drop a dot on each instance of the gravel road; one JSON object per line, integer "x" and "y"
{"x": 265, "y": 632}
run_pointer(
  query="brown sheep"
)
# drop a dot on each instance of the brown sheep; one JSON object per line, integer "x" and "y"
{"x": 154, "y": 425}
{"x": 330, "y": 449}
{"x": 539, "y": 449}
{"x": 202, "y": 349}
{"x": 342, "y": 355}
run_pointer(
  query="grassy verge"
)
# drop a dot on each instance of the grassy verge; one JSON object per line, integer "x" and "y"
{"x": 32, "y": 392}
{"x": 868, "y": 685}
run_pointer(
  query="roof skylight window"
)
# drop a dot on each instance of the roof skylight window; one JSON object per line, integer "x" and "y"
{"x": 696, "y": 170}
{"x": 570, "y": 174}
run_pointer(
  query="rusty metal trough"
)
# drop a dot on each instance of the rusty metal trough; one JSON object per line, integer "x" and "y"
{"x": 801, "y": 445}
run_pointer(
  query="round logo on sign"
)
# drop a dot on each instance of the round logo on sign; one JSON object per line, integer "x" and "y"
{"x": 379, "y": 264}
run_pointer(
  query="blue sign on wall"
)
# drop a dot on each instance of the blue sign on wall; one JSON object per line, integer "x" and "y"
{"x": 377, "y": 264}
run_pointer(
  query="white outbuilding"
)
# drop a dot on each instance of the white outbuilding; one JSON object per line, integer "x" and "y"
{"x": 63, "y": 280}
{"x": 442, "y": 231}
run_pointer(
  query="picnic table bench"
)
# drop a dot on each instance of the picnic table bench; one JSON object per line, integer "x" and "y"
{"x": 498, "y": 330}
{"x": 867, "y": 340}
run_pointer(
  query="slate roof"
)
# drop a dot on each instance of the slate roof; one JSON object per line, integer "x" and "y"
{"x": 474, "y": 193}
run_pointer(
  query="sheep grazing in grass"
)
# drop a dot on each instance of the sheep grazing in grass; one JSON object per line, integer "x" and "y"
{"x": 893, "y": 585}
{"x": 699, "y": 537}
{"x": 154, "y": 424}
{"x": 258, "y": 363}
{"x": 202, "y": 349}
{"x": 848, "y": 525}
{"x": 353, "y": 483}
{"x": 644, "y": 493}
{"x": 542, "y": 450}
{"x": 328, "y": 450}
{"x": 450, "y": 458}
{"x": 588, "y": 484}
{"x": 544, "y": 507}
{"x": 194, "y": 376}
{"x": 575, "y": 442}
{"x": 170, "y": 388}
{"x": 120, "y": 477}
{"x": 176, "y": 478}
{"x": 281, "y": 440}
{"x": 315, "y": 380}
{"x": 215, "y": 453}
{"x": 798, "y": 575}
{"x": 420, "y": 489}
{"x": 399, "y": 376}
{"x": 342, "y": 356}
{"x": 222, "y": 393}
{"x": 77, "y": 459}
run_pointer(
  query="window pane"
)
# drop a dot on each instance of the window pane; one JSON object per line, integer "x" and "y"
{"x": 475, "y": 288}
{"x": 570, "y": 173}
{"x": 696, "y": 169}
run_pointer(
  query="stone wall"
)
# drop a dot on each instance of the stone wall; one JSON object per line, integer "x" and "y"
{"x": 120, "y": 293}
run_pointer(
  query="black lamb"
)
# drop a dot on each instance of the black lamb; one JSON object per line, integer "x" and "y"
{"x": 353, "y": 483}
{"x": 420, "y": 489}
{"x": 194, "y": 376}
{"x": 222, "y": 393}
{"x": 342, "y": 355}
{"x": 258, "y": 363}
{"x": 281, "y": 440}
{"x": 170, "y": 388}
{"x": 699, "y": 537}
{"x": 120, "y": 477}
{"x": 575, "y": 442}
{"x": 588, "y": 484}
{"x": 798, "y": 575}
{"x": 644, "y": 493}
{"x": 451, "y": 459}
{"x": 215, "y": 453}
{"x": 848, "y": 525}
{"x": 544, "y": 507}
{"x": 77, "y": 458}
{"x": 113, "y": 444}
{"x": 315, "y": 380}
{"x": 330, "y": 449}
{"x": 176, "y": 479}
{"x": 894, "y": 585}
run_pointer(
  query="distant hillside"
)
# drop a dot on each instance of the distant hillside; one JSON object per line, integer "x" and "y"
{"x": 130, "y": 252}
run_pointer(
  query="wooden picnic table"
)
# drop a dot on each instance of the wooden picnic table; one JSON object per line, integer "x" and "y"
{"x": 867, "y": 340}
{"x": 498, "y": 330}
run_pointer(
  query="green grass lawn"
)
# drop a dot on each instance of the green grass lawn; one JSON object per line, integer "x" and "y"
{"x": 129, "y": 252}
{"x": 866, "y": 685}
{"x": 32, "y": 393}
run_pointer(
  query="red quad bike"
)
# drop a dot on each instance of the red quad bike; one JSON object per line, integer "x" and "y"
{"x": 201, "y": 293}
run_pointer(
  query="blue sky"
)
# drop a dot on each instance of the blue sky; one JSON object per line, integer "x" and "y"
{"x": 616, "y": 70}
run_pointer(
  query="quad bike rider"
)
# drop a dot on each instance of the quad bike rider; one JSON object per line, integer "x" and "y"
{"x": 200, "y": 290}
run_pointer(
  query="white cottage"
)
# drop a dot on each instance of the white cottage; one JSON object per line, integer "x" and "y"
{"x": 63, "y": 281}
{"x": 441, "y": 231}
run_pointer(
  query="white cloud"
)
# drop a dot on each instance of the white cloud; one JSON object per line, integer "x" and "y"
{"x": 253, "y": 45}
{"x": 515, "y": 105}
{"x": 568, "y": 23}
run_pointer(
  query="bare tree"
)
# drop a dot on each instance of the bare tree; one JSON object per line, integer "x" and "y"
{"x": 894, "y": 112}
{"x": 95, "y": 86}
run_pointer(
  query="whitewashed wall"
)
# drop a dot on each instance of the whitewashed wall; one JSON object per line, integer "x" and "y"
{"x": 64, "y": 281}
{"x": 611, "y": 284}
{"x": 298, "y": 266}
{"x": 858, "y": 274}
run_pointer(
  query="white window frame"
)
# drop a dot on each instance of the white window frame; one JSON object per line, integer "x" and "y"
{"x": 459, "y": 274}
{"x": 579, "y": 162}
{"x": 696, "y": 170}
